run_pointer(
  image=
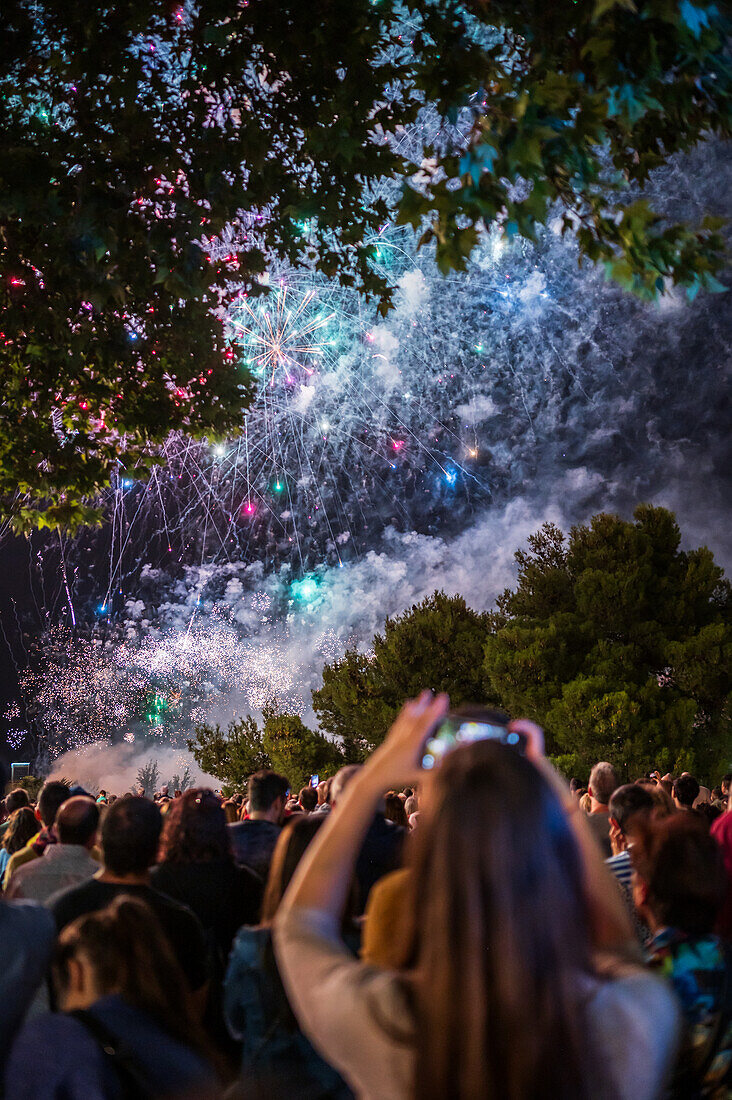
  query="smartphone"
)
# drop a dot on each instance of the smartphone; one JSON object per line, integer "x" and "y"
{"x": 314, "y": 780}
{"x": 468, "y": 724}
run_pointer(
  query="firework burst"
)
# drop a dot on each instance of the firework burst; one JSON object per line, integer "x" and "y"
{"x": 281, "y": 334}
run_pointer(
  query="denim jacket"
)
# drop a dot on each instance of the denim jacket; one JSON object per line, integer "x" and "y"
{"x": 258, "y": 1015}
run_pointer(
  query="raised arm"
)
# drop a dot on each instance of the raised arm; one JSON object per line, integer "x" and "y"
{"x": 323, "y": 878}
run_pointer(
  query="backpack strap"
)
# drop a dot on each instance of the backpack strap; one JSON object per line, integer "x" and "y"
{"x": 119, "y": 1056}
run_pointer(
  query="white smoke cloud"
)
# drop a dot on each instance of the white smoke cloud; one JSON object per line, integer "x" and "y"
{"x": 478, "y": 409}
{"x": 338, "y": 608}
{"x": 114, "y": 768}
{"x": 414, "y": 291}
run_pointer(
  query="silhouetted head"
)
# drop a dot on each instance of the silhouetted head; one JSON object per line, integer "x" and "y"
{"x": 627, "y": 801}
{"x": 394, "y": 809}
{"x": 130, "y": 835}
{"x": 308, "y": 799}
{"x": 265, "y": 788}
{"x": 15, "y": 800}
{"x": 686, "y": 791}
{"x": 122, "y": 949}
{"x": 23, "y": 827}
{"x": 340, "y": 781}
{"x": 681, "y": 877}
{"x": 194, "y": 830}
{"x": 77, "y": 821}
{"x": 603, "y": 781}
{"x": 53, "y": 795}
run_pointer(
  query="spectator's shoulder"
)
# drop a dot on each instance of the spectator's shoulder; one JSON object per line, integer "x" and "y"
{"x": 248, "y": 945}
{"x": 639, "y": 1004}
{"x": 160, "y": 874}
{"x": 42, "y": 1031}
{"x": 67, "y": 904}
{"x": 12, "y": 887}
{"x": 29, "y": 920}
{"x": 178, "y": 911}
{"x": 67, "y": 1046}
{"x": 166, "y": 901}
{"x": 635, "y": 1021}
{"x": 20, "y": 859}
{"x": 247, "y": 879}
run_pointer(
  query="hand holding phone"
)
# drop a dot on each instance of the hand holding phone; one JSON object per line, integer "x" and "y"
{"x": 398, "y": 760}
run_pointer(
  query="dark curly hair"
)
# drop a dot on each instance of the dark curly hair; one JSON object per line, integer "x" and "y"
{"x": 194, "y": 830}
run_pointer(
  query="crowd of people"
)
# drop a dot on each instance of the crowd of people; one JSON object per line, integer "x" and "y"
{"x": 480, "y": 929}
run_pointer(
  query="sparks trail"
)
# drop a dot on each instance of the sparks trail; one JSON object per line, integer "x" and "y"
{"x": 524, "y": 379}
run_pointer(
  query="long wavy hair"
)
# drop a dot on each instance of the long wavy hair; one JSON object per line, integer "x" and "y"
{"x": 291, "y": 846}
{"x": 502, "y": 935}
{"x": 23, "y": 827}
{"x": 194, "y": 830}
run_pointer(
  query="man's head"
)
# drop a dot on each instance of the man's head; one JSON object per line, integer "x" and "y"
{"x": 77, "y": 821}
{"x": 726, "y": 784}
{"x": 685, "y": 792}
{"x": 53, "y": 795}
{"x": 308, "y": 799}
{"x": 16, "y": 800}
{"x": 130, "y": 835}
{"x": 628, "y": 804}
{"x": 341, "y": 780}
{"x": 324, "y": 788}
{"x": 603, "y": 781}
{"x": 267, "y": 793}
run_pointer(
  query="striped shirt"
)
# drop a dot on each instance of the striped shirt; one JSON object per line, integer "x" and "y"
{"x": 622, "y": 868}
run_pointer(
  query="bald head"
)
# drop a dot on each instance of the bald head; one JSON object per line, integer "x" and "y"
{"x": 341, "y": 780}
{"x": 77, "y": 821}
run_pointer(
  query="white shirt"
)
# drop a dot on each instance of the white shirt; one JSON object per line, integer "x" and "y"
{"x": 60, "y": 866}
{"x": 360, "y": 1020}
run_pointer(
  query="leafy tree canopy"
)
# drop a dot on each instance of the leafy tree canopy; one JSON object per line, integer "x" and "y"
{"x": 135, "y": 134}
{"x": 437, "y": 644}
{"x": 231, "y": 756}
{"x": 620, "y": 644}
{"x": 29, "y": 783}
{"x": 298, "y": 752}
{"x": 284, "y": 743}
{"x": 576, "y": 104}
{"x": 617, "y": 641}
{"x": 148, "y": 779}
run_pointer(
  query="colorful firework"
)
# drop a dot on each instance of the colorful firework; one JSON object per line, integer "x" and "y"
{"x": 281, "y": 333}
{"x": 524, "y": 379}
